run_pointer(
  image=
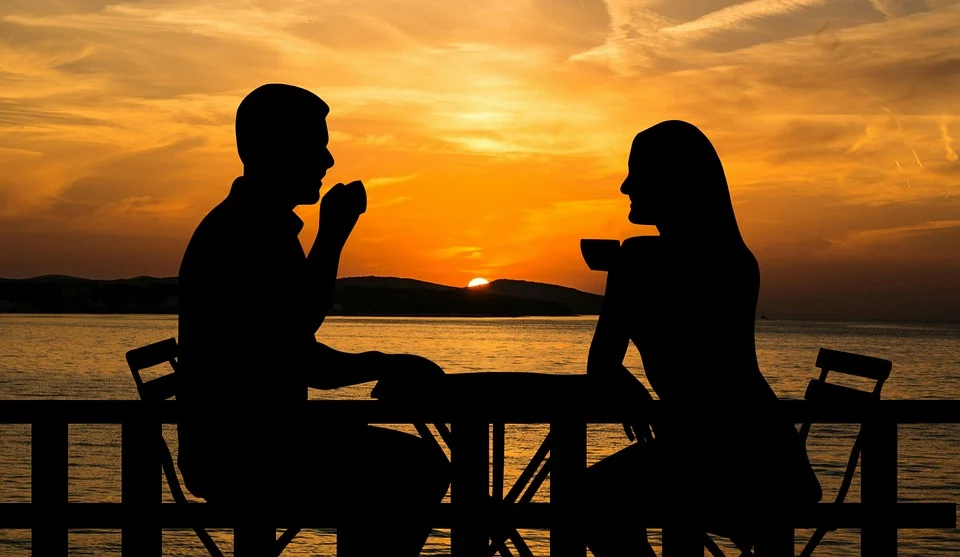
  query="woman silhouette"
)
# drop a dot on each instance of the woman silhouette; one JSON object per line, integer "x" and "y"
{"x": 687, "y": 299}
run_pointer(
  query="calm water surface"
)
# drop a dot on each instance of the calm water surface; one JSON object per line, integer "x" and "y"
{"x": 82, "y": 357}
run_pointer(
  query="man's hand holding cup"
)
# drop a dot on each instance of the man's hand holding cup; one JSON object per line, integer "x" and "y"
{"x": 340, "y": 209}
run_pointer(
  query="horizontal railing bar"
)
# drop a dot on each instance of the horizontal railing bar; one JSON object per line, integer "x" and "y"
{"x": 532, "y": 411}
{"x": 529, "y": 515}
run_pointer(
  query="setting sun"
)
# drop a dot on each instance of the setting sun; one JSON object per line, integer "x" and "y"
{"x": 478, "y": 282}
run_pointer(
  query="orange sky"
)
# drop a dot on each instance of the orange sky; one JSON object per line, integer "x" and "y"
{"x": 493, "y": 135}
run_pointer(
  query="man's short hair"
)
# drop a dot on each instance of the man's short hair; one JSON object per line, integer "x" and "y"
{"x": 274, "y": 119}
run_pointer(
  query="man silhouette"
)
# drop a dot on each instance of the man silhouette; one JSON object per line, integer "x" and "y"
{"x": 250, "y": 305}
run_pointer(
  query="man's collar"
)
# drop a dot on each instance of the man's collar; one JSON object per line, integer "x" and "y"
{"x": 243, "y": 191}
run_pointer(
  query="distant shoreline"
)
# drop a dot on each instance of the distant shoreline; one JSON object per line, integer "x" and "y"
{"x": 14, "y": 311}
{"x": 481, "y": 316}
{"x": 369, "y": 296}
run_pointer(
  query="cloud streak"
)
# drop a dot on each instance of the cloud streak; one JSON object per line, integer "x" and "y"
{"x": 741, "y": 16}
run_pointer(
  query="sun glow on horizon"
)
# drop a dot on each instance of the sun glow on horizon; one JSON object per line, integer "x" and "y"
{"x": 478, "y": 282}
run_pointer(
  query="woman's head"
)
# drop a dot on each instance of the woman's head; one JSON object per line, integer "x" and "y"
{"x": 676, "y": 182}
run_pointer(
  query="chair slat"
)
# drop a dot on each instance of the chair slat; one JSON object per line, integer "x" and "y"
{"x": 854, "y": 364}
{"x": 821, "y": 391}
{"x": 160, "y": 388}
{"x": 152, "y": 354}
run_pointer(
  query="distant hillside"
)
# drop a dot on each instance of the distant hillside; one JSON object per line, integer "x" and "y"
{"x": 353, "y": 296}
{"x": 390, "y": 283}
{"x": 580, "y": 302}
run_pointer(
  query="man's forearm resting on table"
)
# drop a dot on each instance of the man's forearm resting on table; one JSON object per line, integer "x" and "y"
{"x": 335, "y": 369}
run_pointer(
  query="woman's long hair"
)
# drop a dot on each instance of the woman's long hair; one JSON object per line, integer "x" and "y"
{"x": 691, "y": 188}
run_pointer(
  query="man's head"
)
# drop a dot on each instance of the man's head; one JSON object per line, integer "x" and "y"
{"x": 282, "y": 140}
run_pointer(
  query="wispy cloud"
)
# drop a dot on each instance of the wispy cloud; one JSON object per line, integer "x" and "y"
{"x": 879, "y": 239}
{"x": 470, "y": 252}
{"x": 740, "y": 16}
{"x": 389, "y": 180}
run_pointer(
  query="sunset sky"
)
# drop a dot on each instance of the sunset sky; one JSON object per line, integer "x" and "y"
{"x": 493, "y": 135}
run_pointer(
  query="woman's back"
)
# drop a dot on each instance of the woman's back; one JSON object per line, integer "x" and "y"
{"x": 690, "y": 311}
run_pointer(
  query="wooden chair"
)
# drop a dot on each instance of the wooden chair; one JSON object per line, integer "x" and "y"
{"x": 819, "y": 390}
{"x": 163, "y": 388}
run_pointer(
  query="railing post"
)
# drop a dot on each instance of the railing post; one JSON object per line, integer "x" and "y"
{"x": 469, "y": 460}
{"x": 878, "y": 537}
{"x": 568, "y": 466}
{"x": 141, "y": 491}
{"x": 48, "y": 487}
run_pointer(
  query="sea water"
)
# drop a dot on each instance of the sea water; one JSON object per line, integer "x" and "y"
{"x": 82, "y": 357}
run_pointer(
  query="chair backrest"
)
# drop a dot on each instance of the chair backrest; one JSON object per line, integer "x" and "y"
{"x": 845, "y": 363}
{"x": 161, "y": 388}
{"x": 139, "y": 359}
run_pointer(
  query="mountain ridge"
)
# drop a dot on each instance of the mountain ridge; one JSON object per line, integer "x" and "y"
{"x": 364, "y": 295}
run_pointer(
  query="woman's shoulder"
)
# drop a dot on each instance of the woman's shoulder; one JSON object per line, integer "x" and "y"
{"x": 640, "y": 245}
{"x": 642, "y": 251}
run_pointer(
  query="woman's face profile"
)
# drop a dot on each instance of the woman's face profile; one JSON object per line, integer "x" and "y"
{"x": 640, "y": 186}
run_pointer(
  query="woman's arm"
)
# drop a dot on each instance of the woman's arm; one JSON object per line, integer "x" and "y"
{"x": 608, "y": 348}
{"x": 610, "y": 339}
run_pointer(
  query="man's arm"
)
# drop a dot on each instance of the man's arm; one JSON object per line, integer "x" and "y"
{"x": 323, "y": 264}
{"x": 332, "y": 369}
{"x": 340, "y": 209}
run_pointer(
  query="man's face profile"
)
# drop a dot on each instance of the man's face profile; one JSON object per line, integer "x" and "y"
{"x": 282, "y": 140}
{"x": 309, "y": 160}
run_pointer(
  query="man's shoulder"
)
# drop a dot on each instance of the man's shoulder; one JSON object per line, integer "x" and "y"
{"x": 215, "y": 236}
